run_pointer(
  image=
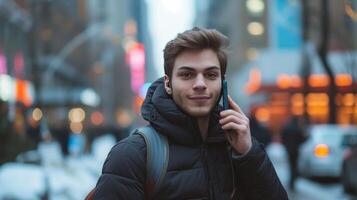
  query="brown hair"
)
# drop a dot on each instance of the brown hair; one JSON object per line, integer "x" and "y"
{"x": 196, "y": 38}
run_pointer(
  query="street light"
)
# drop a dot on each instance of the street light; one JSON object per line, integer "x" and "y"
{"x": 255, "y": 7}
{"x": 255, "y": 28}
{"x": 89, "y": 97}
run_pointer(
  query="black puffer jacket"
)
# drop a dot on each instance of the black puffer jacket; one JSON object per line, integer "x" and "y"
{"x": 197, "y": 169}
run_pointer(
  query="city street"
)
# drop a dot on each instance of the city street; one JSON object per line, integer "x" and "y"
{"x": 77, "y": 77}
{"x": 306, "y": 189}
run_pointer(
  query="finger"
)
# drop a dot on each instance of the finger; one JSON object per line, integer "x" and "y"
{"x": 233, "y": 118}
{"x": 234, "y": 126}
{"x": 233, "y": 105}
{"x": 229, "y": 112}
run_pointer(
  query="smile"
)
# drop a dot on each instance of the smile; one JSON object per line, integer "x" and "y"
{"x": 199, "y": 97}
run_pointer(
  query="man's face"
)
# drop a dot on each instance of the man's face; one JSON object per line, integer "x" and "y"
{"x": 196, "y": 81}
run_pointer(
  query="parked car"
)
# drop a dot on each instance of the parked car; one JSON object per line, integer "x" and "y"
{"x": 321, "y": 155}
{"x": 349, "y": 166}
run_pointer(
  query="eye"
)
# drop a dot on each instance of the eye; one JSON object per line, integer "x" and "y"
{"x": 212, "y": 75}
{"x": 186, "y": 74}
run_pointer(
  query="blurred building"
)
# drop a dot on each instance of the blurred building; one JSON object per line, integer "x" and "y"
{"x": 81, "y": 63}
{"x": 276, "y": 71}
{"x": 125, "y": 23}
{"x": 15, "y": 80}
{"x": 244, "y": 22}
{"x": 16, "y": 85}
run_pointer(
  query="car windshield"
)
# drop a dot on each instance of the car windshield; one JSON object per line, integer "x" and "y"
{"x": 329, "y": 136}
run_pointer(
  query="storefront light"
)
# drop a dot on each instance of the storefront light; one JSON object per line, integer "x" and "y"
{"x": 318, "y": 110}
{"x": 97, "y": 118}
{"x": 297, "y": 99}
{"x": 343, "y": 80}
{"x": 7, "y": 88}
{"x": 76, "y": 115}
{"x": 255, "y": 7}
{"x": 318, "y": 80}
{"x": 255, "y": 28}
{"x": 283, "y": 81}
{"x": 348, "y": 99}
{"x": 347, "y": 110}
{"x": 262, "y": 114}
{"x": 89, "y": 97}
{"x": 296, "y": 81}
{"x": 297, "y": 110}
{"x": 37, "y": 114}
{"x": 123, "y": 118}
{"x": 317, "y": 99}
{"x": 76, "y": 127}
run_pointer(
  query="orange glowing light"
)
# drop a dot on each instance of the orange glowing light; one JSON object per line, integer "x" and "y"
{"x": 76, "y": 127}
{"x": 139, "y": 101}
{"x": 321, "y": 150}
{"x": 297, "y": 110}
{"x": 254, "y": 81}
{"x": 348, "y": 99}
{"x": 296, "y": 81}
{"x": 317, "y": 99}
{"x": 343, "y": 80}
{"x": 317, "y": 110}
{"x": 284, "y": 81}
{"x": 262, "y": 114}
{"x": 297, "y": 99}
{"x": 297, "y": 102}
{"x": 123, "y": 118}
{"x": 318, "y": 80}
{"x": 97, "y": 118}
{"x": 22, "y": 92}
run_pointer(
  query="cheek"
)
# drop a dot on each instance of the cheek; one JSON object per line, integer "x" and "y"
{"x": 216, "y": 89}
{"x": 177, "y": 93}
{"x": 179, "y": 87}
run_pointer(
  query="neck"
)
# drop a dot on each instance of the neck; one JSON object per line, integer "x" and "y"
{"x": 203, "y": 126}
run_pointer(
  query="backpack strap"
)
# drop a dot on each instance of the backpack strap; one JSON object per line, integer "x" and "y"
{"x": 157, "y": 158}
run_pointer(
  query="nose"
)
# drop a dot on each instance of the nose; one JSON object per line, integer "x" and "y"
{"x": 199, "y": 83}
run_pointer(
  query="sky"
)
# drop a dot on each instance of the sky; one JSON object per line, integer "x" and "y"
{"x": 167, "y": 18}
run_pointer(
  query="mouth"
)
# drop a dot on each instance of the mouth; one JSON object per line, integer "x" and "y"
{"x": 199, "y": 97}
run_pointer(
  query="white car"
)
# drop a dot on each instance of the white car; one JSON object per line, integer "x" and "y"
{"x": 321, "y": 155}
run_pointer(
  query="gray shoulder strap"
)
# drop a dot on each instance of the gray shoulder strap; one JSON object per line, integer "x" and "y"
{"x": 157, "y": 158}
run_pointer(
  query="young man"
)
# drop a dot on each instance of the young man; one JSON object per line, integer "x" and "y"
{"x": 211, "y": 152}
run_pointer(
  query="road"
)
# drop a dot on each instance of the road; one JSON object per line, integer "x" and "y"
{"x": 306, "y": 189}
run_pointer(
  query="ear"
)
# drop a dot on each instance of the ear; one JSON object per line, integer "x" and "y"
{"x": 167, "y": 84}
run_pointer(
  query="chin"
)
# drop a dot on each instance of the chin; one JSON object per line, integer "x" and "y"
{"x": 199, "y": 113}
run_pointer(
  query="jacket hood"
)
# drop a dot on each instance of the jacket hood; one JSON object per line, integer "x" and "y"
{"x": 168, "y": 119}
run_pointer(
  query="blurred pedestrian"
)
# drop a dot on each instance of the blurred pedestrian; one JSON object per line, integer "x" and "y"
{"x": 211, "y": 153}
{"x": 292, "y": 137}
{"x": 32, "y": 128}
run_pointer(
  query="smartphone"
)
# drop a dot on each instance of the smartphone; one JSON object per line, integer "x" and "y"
{"x": 225, "y": 94}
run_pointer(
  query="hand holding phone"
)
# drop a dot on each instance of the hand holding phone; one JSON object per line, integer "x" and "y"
{"x": 234, "y": 123}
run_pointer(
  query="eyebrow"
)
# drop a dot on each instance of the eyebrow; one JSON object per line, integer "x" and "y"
{"x": 193, "y": 69}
